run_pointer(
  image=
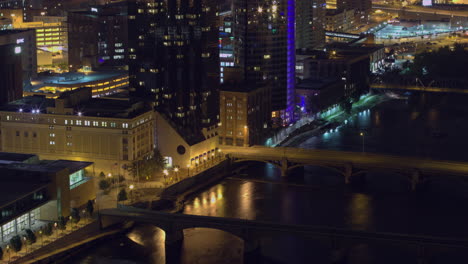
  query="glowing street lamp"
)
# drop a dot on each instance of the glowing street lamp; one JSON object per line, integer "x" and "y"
{"x": 56, "y": 230}
{"x": 188, "y": 170}
{"x": 362, "y": 136}
{"x": 131, "y": 192}
{"x": 176, "y": 170}
{"x": 25, "y": 244}
{"x": 42, "y": 237}
{"x": 9, "y": 254}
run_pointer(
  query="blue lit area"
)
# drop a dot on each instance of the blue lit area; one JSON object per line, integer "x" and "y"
{"x": 76, "y": 178}
{"x": 398, "y": 31}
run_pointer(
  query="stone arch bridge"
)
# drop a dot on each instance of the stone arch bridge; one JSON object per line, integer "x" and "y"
{"x": 250, "y": 231}
{"x": 348, "y": 164}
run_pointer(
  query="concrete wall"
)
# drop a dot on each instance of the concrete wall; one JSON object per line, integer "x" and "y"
{"x": 81, "y": 194}
{"x": 168, "y": 141}
{"x": 198, "y": 181}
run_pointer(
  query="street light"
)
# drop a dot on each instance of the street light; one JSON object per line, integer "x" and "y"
{"x": 42, "y": 237}
{"x": 9, "y": 254}
{"x": 188, "y": 170}
{"x": 25, "y": 244}
{"x": 131, "y": 192}
{"x": 70, "y": 217}
{"x": 176, "y": 170}
{"x": 56, "y": 230}
{"x": 166, "y": 173}
{"x": 362, "y": 136}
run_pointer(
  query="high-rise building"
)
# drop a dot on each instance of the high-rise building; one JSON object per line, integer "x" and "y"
{"x": 25, "y": 40}
{"x": 340, "y": 20}
{"x": 75, "y": 126}
{"x": 174, "y": 60}
{"x": 98, "y": 36}
{"x": 11, "y": 84}
{"x": 310, "y": 23}
{"x": 244, "y": 113}
{"x": 264, "y": 35}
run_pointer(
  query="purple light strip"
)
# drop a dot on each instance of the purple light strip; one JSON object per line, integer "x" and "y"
{"x": 291, "y": 58}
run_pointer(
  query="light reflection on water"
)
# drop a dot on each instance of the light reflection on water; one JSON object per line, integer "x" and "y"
{"x": 391, "y": 129}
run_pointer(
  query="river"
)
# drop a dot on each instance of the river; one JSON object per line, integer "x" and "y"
{"x": 425, "y": 126}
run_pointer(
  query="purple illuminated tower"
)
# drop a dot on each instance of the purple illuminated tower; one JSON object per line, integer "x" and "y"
{"x": 264, "y": 49}
{"x": 291, "y": 74}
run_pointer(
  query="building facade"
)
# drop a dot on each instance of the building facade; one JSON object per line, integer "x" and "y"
{"x": 51, "y": 39}
{"x": 25, "y": 40}
{"x": 264, "y": 35}
{"x": 11, "y": 84}
{"x": 351, "y": 67}
{"x": 174, "y": 61}
{"x": 245, "y": 114}
{"x": 310, "y": 24}
{"x": 98, "y": 37}
{"x": 34, "y": 190}
{"x": 340, "y": 20}
{"x": 75, "y": 126}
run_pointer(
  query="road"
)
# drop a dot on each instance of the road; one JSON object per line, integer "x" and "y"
{"x": 419, "y": 9}
{"x": 361, "y": 160}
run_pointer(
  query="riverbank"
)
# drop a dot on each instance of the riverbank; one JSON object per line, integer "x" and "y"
{"x": 68, "y": 245}
{"x": 331, "y": 120}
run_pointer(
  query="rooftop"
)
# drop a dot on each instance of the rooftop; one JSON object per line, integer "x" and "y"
{"x": 239, "y": 86}
{"x": 15, "y": 157}
{"x": 13, "y": 31}
{"x": 72, "y": 78}
{"x": 316, "y": 84}
{"x": 97, "y": 107}
{"x": 12, "y": 191}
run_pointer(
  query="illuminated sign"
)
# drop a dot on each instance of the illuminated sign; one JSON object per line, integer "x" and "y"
{"x": 341, "y": 35}
{"x": 93, "y": 9}
{"x": 19, "y": 41}
{"x": 17, "y": 50}
{"x": 427, "y": 3}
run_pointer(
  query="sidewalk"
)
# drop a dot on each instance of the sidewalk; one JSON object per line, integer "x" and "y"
{"x": 57, "y": 240}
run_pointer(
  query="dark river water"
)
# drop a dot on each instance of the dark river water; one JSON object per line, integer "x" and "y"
{"x": 425, "y": 126}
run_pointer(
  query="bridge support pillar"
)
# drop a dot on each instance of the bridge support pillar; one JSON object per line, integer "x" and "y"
{"x": 415, "y": 179}
{"x": 252, "y": 252}
{"x": 348, "y": 172}
{"x": 173, "y": 244}
{"x": 284, "y": 167}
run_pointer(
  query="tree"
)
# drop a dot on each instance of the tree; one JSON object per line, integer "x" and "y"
{"x": 102, "y": 175}
{"x": 146, "y": 168}
{"x": 90, "y": 208}
{"x": 122, "y": 196}
{"x": 159, "y": 159}
{"x": 1, "y": 253}
{"x": 62, "y": 223}
{"x": 104, "y": 184}
{"x": 30, "y": 236}
{"x": 15, "y": 243}
{"x": 48, "y": 229}
{"x": 346, "y": 105}
{"x": 75, "y": 215}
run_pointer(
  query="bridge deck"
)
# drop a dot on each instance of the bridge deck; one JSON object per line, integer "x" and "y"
{"x": 357, "y": 159}
{"x": 418, "y": 88}
{"x": 226, "y": 224}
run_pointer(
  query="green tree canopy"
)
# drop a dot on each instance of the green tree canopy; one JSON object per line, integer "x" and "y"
{"x": 90, "y": 208}
{"x": 15, "y": 243}
{"x": 30, "y": 236}
{"x": 122, "y": 196}
{"x": 445, "y": 63}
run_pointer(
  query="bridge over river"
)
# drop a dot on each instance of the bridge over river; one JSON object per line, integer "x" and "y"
{"x": 348, "y": 164}
{"x": 250, "y": 231}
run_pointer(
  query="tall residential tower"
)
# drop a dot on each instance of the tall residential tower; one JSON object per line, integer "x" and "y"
{"x": 264, "y": 35}
{"x": 174, "y": 60}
